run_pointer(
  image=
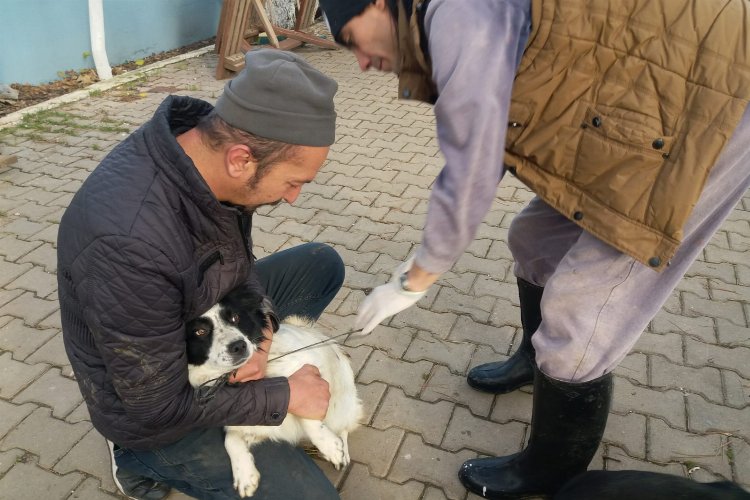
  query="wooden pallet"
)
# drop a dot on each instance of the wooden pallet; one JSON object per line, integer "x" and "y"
{"x": 241, "y": 20}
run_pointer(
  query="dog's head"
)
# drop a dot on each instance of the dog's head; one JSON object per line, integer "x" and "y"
{"x": 224, "y": 338}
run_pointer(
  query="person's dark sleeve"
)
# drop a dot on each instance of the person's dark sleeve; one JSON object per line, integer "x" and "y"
{"x": 133, "y": 301}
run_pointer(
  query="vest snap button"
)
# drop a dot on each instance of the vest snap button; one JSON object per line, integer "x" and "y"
{"x": 658, "y": 143}
{"x": 596, "y": 122}
{"x": 578, "y": 215}
{"x": 654, "y": 261}
{"x": 406, "y": 93}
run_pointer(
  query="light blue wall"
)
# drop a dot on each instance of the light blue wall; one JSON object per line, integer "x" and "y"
{"x": 39, "y": 38}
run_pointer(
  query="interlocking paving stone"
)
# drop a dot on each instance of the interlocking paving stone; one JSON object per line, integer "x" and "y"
{"x": 454, "y": 355}
{"x": 53, "y": 390}
{"x": 44, "y": 255}
{"x": 439, "y": 324}
{"x": 12, "y": 414}
{"x": 9, "y": 271}
{"x": 14, "y": 375}
{"x": 733, "y": 358}
{"x": 376, "y": 448}
{"x": 730, "y": 310}
{"x": 428, "y": 464}
{"x": 36, "y": 280}
{"x": 445, "y": 386}
{"x": 411, "y": 377}
{"x": 667, "y": 444}
{"x": 704, "y": 380}
{"x": 397, "y": 410}
{"x": 667, "y": 344}
{"x": 393, "y": 341}
{"x": 360, "y": 485}
{"x": 26, "y": 481}
{"x": 12, "y": 248}
{"x": 484, "y": 436}
{"x": 89, "y": 455}
{"x": 667, "y": 404}
{"x": 29, "y": 308}
{"x": 704, "y": 416}
{"x": 737, "y": 389}
{"x": 628, "y": 432}
{"x": 370, "y": 394}
{"x": 701, "y": 327}
{"x": 9, "y": 458}
{"x": 732, "y": 334}
{"x": 617, "y": 459}
{"x": 47, "y": 437}
{"x": 634, "y": 367}
{"x": 468, "y": 330}
{"x": 22, "y": 340}
{"x": 89, "y": 490}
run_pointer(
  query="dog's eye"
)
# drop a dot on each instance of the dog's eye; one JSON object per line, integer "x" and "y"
{"x": 200, "y": 332}
{"x": 234, "y": 319}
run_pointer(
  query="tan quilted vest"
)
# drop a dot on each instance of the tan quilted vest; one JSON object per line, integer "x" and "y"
{"x": 621, "y": 107}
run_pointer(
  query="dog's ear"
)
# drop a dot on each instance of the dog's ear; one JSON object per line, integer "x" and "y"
{"x": 266, "y": 308}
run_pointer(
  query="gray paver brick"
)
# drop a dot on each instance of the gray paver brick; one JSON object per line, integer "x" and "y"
{"x": 12, "y": 414}
{"x": 704, "y": 416}
{"x": 370, "y": 394}
{"x": 393, "y": 341}
{"x": 515, "y": 405}
{"x": 730, "y": 310}
{"x": 9, "y": 458}
{"x": 445, "y": 386}
{"x": 667, "y": 404}
{"x": 484, "y": 436}
{"x": 737, "y": 389}
{"x": 733, "y": 358}
{"x": 451, "y": 301}
{"x": 12, "y": 248}
{"x": 375, "y": 447}
{"x": 499, "y": 338}
{"x": 672, "y": 445}
{"x": 419, "y": 461}
{"x": 667, "y": 344}
{"x": 89, "y": 455}
{"x": 36, "y": 280}
{"x": 89, "y": 490}
{"x": 30, "y": 308}
{"x": 731, "y": 334}
{"x": 618, "y": 459}
{"x": 53, "y": 390}
{"x": 439, "y": 324}
{"x": 360, "y": 485}
{"x": 705, "y": 380}
{"x": 741, "y": 458}
{"x": 397, "y": 410}
{"x": 44, "y": 255}
{"x": 22, "y": 340}
{"x": 14, "y": 375}
{"x": 411, "y": 377}
{"x": 455, "y": 355}
{"x": 26, "y": 481}
{"x": 634, "y": 367}
{"x": 23, "y": 227}
{"x": 701, "y": 327}
{"x": 9, "y": 271}
{"x": 628, "y": 432}
{"x": 45, "y": 436}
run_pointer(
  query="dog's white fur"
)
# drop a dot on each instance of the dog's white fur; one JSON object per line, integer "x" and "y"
{"x": 329, "y": 436}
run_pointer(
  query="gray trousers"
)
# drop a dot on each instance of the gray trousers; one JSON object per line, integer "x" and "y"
{"x": 597, "y": 301}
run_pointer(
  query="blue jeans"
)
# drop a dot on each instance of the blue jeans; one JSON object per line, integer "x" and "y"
{"x": 301, "y": 281}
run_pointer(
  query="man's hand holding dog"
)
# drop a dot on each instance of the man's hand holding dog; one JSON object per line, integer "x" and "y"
{"x": 308, "y": 393}
{"x": 255, "y": 368}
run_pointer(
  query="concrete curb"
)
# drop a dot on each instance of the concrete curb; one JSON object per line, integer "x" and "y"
{"x": 16, "y": 117}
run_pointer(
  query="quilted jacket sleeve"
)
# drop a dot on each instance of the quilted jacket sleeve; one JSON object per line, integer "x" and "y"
{"x": 133, "y": 305}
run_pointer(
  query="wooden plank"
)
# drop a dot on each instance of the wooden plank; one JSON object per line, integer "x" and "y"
{"x": 307, "y": 38}
{"x": 266, "y": 23}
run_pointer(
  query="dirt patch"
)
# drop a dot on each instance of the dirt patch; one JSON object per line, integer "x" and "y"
{"x": 28, "y": 95}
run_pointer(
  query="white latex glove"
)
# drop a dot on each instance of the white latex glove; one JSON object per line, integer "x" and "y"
{"x": 385, "y": 301}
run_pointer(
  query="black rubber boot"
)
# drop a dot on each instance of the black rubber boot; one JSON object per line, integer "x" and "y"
{"x": 567, "y": 424}
{"x": 500, "y": 377}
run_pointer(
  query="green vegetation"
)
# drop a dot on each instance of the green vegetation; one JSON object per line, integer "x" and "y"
{"x": 59, "y": 122}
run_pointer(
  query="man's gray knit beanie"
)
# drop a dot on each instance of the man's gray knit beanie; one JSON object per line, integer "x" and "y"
{"x": 279, "y": 96}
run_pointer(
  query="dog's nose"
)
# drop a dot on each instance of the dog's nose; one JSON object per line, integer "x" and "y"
{"x": 237, "y": 348}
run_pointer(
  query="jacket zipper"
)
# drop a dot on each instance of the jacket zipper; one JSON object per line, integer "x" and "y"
{"x": 206, "y": 264}
{"x": 244, "y": 222}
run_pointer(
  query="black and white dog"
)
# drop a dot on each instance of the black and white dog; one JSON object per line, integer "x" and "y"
{"x": 224, "y": 338}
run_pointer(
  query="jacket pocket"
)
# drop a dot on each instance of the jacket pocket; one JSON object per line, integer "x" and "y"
{"x": 206, "y": 263}
{"x": 619, "y": 158}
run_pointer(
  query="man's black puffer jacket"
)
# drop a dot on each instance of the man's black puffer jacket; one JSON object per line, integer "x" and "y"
{"x": 144, "y": 247}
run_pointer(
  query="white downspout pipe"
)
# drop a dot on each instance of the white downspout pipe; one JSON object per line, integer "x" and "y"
{"x": 98, "y": 49}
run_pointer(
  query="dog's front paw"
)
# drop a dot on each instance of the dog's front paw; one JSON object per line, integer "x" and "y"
{"x": 246, "y": 482}
{"x": 334, "y": 451}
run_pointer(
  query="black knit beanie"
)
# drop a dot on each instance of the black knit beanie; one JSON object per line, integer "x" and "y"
{"x": 338, "y": 12}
